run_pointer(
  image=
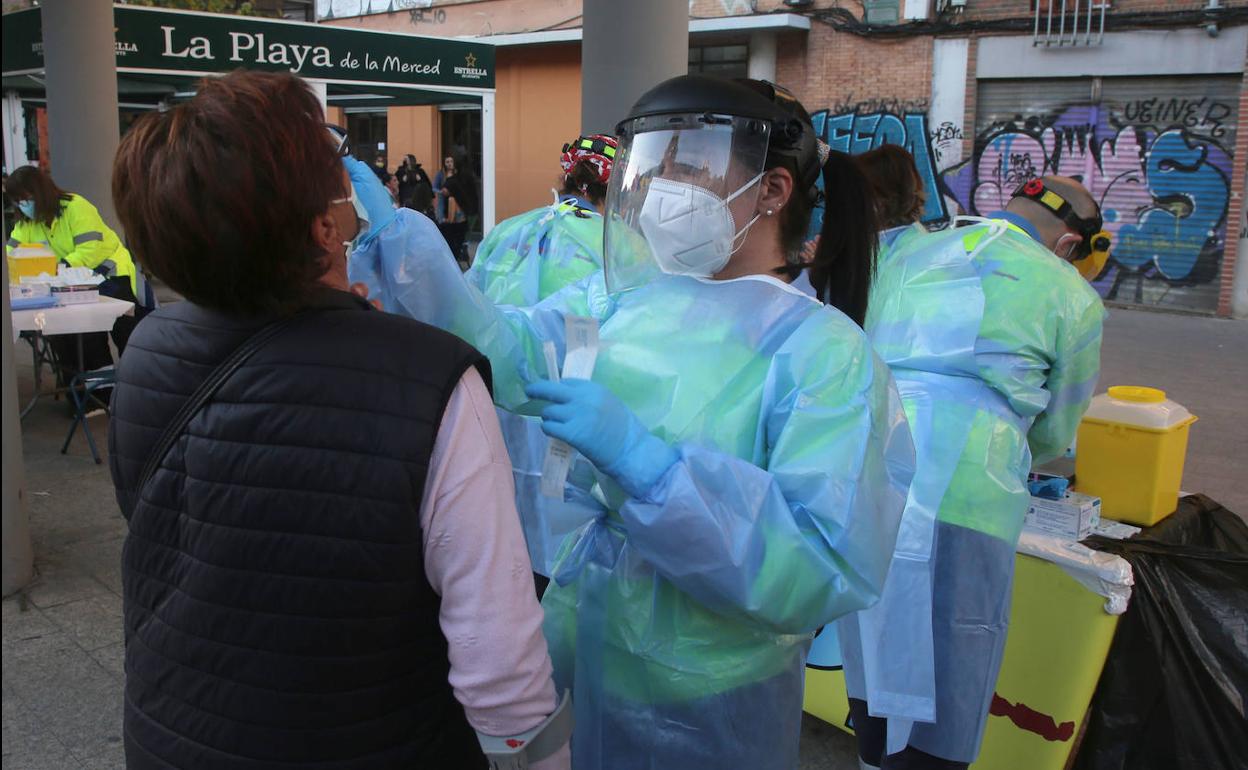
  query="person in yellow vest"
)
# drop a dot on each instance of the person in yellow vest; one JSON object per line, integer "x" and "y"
{"x": 73, "y": 229}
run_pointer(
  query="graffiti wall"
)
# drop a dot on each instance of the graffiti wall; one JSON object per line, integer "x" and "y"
{"x": 856, "y": 131}
{"x": 1157, "y": 154}
{"x": 1160, "y": 166}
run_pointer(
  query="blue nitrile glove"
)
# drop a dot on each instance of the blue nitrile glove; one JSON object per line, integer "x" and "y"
{"x": 591, "y": 419}
{"x": 373, "y": 195}
{"x": 1049, "y": 489}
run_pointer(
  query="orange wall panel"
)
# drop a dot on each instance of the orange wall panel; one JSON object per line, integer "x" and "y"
{"x": 538, "y": 110}
{"x": 413, "y": 130}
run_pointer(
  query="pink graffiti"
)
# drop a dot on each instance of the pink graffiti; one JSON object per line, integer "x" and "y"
{"x": 1118, "y": 181}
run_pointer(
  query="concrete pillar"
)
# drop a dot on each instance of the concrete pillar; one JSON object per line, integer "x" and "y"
{"x": 321, "y": 89}
{"x": 80, "y": 59}
{"x": 627, "y": 48}
{"x": 947, "y": 110}
{"x": 17, "y": 564}
{"x": 489, "y": 157}
{"x": 762, "y": 64}
{"x": 1239, "y": 288}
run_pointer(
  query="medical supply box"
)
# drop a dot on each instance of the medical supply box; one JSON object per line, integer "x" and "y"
{"x": 76, "y": 294}
{"x": 1073, "y": 517}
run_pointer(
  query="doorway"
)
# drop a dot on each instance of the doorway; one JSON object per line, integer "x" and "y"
{"x": 461, "y": 139}
{"x": 367, "y": 129}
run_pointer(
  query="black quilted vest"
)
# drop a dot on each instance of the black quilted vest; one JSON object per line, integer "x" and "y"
{"x": 277, "y": 612}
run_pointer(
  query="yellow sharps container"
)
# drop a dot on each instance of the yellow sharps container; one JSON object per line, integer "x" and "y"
{"x": 30, "y": 260}
{"x": 1130, "y": 451}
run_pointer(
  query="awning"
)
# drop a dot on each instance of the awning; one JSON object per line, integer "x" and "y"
{"x": 161, "y": 54}
{"x": 183, "y": 42}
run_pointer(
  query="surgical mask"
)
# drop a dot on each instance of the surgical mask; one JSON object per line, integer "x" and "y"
{"x": 27, "y": 208}
{"x": 690, "y": 229}
{"x": 361, "y": 218}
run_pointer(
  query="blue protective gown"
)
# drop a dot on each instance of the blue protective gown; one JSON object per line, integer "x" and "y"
{"x": 994, "y": 343}
{"x": 681, "y": 620}
{"x": 522, "y": 261}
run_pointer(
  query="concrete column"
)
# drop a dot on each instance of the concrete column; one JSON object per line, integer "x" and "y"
{"x": 18, "y": 558}
{"x": 627, "y": 48}
{"x": 947, "y": 110}
{"x": 763, "y": 56}
{"x": 80, "y": 60}
{"x": 489, "y": 157}
{"x": 321, "y": 89}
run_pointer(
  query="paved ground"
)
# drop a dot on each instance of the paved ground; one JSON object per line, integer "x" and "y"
{"x": 1202, "y": 363}
{"x": 62, "y": 648}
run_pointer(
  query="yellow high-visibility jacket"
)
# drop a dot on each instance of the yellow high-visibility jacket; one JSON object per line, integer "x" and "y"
{"x": 79, "y": 237}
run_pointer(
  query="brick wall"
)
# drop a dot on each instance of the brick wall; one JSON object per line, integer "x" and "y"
{"x": 972, "y": 92}
{"x": 839, "y": 71}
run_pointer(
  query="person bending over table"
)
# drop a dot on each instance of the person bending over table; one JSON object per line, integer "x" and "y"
{"x": 72, "y": 228}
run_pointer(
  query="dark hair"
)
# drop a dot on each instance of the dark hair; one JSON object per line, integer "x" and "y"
{"x": 218, "y": 198}
{"x": 844, "y": 263}
{"x": 895, "y": 182}
{"x": 31, "y": 182}
{"x": 583, "y": 180}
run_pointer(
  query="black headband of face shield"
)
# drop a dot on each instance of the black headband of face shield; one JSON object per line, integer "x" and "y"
{"x": 792, "y": 136}
{"x": 1090, "y": 228}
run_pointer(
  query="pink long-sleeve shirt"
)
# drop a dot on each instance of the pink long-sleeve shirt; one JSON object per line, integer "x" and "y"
{"x": 476, "y": 560}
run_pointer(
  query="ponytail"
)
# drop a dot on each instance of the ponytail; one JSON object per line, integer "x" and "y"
{"x": 844, "y": 263}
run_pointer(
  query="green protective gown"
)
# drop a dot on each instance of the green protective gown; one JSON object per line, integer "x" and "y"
{"x": 995, "y": 346}
{"x": 529, "y": 257}
{"x": 522, "y": 261}
{"x": 681, "y": 620}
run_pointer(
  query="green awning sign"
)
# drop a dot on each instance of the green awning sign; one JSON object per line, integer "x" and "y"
{"x": 199, "y": 43}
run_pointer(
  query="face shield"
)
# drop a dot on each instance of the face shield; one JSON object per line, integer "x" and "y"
{"x": 682, "y": 194}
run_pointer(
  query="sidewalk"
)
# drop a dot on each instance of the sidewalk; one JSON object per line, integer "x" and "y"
{"x": 63, "y": 658}
{"x": 62, "y": 636}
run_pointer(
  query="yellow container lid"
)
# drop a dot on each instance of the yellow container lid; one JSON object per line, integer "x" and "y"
{"x": 32, "y": 250}
{"x": 1139, "y": 407}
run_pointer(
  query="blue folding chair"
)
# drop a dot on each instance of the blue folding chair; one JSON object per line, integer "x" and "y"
{"x": 81, "y": 388}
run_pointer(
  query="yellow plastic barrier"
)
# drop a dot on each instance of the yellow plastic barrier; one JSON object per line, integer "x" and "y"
{"x": 1058, "y": 640}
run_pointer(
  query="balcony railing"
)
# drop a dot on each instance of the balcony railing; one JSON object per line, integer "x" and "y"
{"x": 1069, "y": 22}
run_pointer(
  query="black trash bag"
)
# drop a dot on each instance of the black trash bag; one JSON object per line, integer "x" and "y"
{"x": 1174, "y": 690}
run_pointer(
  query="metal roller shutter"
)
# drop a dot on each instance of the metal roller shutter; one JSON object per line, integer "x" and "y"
{"x": 1156, "y": 152}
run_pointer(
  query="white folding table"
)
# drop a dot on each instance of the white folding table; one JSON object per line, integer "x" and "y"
{"x": 87, "y": 317}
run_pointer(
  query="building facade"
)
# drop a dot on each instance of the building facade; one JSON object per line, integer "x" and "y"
{"x": 1140, "y": 99}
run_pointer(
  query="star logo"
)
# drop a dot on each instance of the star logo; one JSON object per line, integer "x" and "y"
{"x": 471, "y": 59}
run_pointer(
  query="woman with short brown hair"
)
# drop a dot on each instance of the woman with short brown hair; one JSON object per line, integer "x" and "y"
{"x": 324, "y": 565}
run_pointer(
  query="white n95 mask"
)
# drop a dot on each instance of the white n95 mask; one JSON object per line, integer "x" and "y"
{"x": 690, "y": 229}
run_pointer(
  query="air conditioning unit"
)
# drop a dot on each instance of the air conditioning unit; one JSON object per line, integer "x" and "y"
{"x": 916, "y": 10}
{"x": 882, "y": 11}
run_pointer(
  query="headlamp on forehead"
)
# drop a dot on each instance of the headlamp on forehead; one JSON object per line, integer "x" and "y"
{"x": 1092, "y": 252}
